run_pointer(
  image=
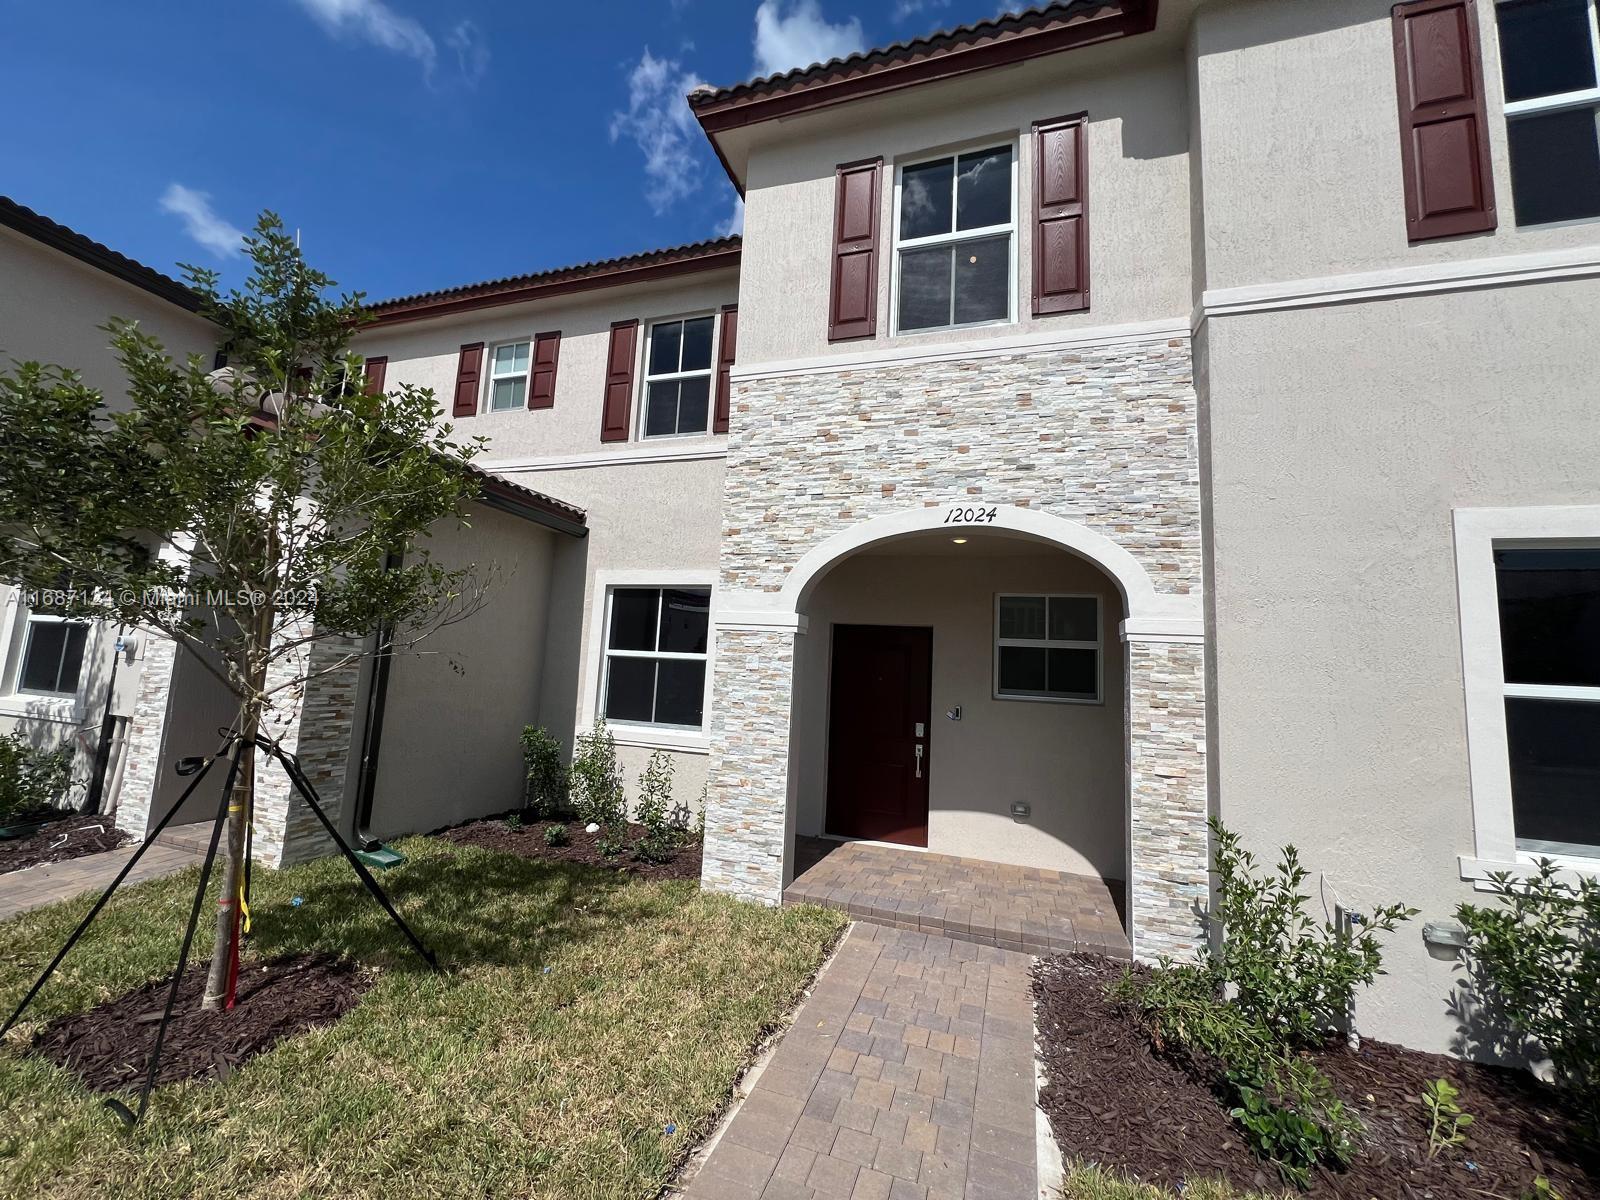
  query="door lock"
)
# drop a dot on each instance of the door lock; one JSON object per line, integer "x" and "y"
{"x": 919, "y": 761}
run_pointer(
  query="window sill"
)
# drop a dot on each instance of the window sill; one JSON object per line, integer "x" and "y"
{"x": 1095, "y": 703}
{"x": 646, "y": 738}
{"x": 1477, "y": 870}
{"x": 44, "y": 708}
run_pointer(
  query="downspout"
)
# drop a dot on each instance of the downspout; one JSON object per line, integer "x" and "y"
{"x": 372, "y": 732}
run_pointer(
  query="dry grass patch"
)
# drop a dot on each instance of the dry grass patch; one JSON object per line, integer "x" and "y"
{"x": 585, "y": 1016}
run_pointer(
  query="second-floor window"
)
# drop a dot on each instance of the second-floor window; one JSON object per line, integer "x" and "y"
{"x": 1550, "y": 63}
{"x": 677, "y": 381}
{"x": 508, "y": 377}
{"x": 955, "y": 234}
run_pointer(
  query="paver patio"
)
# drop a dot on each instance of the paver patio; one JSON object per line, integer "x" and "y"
{"x": 175, "y": 849}
{"x": 907, "y": 1075}
{"x": 1016, "y": 908}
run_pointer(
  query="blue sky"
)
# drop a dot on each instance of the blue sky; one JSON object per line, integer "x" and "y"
{"x": 416, "y": 145}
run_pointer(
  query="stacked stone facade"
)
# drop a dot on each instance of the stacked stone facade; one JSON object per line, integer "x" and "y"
{"x": 1101, "y": 435}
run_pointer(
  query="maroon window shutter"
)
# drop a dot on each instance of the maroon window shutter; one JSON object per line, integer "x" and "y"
{"x": 727, "y": 346}
{"x": 1061, "y": 215}
{"x": 377, "y": 368}
{"x": 853, "y": 291}
{"x": 1444, "y": 143}
{"x": 619, "y": 382}
{"x": 467, "y": 370}
{"x": 546, "y": 354}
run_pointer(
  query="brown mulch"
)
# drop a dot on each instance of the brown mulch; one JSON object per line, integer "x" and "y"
{"x": 1112, "y": 1100}
{"x": 109, "y": 1046}
{"x": 69, "y": 836}
{"x": 527, "y": 840}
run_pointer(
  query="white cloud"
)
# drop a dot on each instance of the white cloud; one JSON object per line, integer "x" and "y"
{"x": 802, "y": 37}
{"x": 472, "y": 50}
{"x": 200, "y": 220}
{"x": 660, "y": 123}
{"x": 735, "y": 222}
{"x": 377, "y": 23}
{"x": 904, "y": 9}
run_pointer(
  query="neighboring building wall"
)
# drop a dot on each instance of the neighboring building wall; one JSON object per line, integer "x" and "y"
{"x": 1065, "y": 760}
{"x": 459, "y": 698}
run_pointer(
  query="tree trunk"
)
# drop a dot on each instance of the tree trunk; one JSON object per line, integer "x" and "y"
{"x": 232, "y": 869}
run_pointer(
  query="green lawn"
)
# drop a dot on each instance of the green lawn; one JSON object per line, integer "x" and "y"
{"x": 1082, "y": 1182}
{"x": 587, "y": 1014}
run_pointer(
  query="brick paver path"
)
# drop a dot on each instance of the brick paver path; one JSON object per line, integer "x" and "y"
{"x": 36, "y": 886}
{"x": 908, "y": 1075}
{"x": 1016, "y": 908}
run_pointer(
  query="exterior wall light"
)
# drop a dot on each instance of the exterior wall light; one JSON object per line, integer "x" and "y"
{"x": 959, "y": 541}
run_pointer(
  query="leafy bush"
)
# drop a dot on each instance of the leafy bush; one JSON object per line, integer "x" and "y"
{"x": 663, "y": 835}
{"x": 556, "y": 835}
{"x": 513, "y": 822}
{"x": 595, "y": 779}
{"x": 1535, "y": 960}
{"x": 612, "y": 839}
{"x": 546, "y": 792}
{"x": 1446, "y": 1118}
{"x": 31, "y": 778}
{"x": 1270, "y": 983}
{"x": 1285, "y": 970}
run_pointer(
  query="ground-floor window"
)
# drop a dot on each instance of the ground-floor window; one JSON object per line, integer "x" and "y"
{"x": 51, "y": 658}
{"x": 655, "y": 656}
{"x": 1047, "y": 648}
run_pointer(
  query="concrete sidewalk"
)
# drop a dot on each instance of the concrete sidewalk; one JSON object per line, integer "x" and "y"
{"x": 174, "y": 849}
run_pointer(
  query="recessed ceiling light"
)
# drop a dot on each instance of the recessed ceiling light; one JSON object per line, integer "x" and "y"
{"x": 959, "y": 541}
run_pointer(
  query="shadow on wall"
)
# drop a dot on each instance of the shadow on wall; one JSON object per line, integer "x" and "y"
{"x": 562, "y": 684}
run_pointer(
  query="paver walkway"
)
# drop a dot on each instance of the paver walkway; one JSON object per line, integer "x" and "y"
{"x": 175, "y": 849}
{"x": 908, "y": 1075}
{"x": 1016, "y": 908}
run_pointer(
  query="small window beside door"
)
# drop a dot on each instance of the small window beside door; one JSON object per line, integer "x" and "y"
{"x": 1048, "y": 648}
{"x": 655, "y": 658}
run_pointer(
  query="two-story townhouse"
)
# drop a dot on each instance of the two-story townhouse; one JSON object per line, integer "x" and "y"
{"x": 1115, "y": 415}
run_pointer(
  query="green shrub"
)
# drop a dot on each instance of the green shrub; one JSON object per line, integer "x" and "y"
{"x": 546, "y": 791}
{"x": 1535, "y": 962}
{"x": 1447, "y": 1120}
{"x": 556, "y": 835}
{"x": 513, "y": 822}
{"x": 31, "y": 778}
{"x": 654, "y": 812}
{"x": 595, "y": 779}
{"x": 612, "y": 839}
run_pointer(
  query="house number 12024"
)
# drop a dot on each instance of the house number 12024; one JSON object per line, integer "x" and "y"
{"x": 979, "y": 515}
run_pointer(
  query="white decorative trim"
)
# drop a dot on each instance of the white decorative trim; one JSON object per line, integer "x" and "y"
{"x": 762, "y": 620}
{"x": 634, "y": 455}
{"x": 1525, "y": 866}
{"x": 1581, "y": 262}
{"x": 997, "y": 347}
{"x": 1189, "y": 630}
{"x": 1477, "y": 530}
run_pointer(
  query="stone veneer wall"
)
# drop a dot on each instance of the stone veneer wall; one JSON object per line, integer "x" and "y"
{"x": 146, "y": 727}
{"x": 1103, "y": 435}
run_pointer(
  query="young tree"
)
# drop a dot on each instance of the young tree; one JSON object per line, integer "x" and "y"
{"x": 280, "y": 484}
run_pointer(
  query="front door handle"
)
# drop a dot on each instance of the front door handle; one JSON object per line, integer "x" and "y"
{"x": 919, "y": 760}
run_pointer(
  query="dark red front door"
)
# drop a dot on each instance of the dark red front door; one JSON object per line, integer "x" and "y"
{"x": 878, "y": 724}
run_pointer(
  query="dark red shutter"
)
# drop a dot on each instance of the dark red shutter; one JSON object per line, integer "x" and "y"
{"x": 727, "y": 346}
{"x": 377, "y": 368}
{"x": 1061, "y": 215}
{"x": 1444, "y": 143}
{"x": 546, "y": 354}
{"x": 467, "y": 370}
{"x": 619, "y": 382}
{"x": 853, "y": 290}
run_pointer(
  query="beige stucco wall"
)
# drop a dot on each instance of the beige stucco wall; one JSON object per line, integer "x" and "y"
{"x": 1300, "y": 145}
{"x": 459, "y": 698}
{"x": 1138, "y": 194}
{"x": 1340, "y": 440}
{"x": 51, "y": 310}
{"x": 1066, "y": 760}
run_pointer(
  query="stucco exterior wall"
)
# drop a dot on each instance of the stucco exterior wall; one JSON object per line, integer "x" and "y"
{"x": 1065, "y": 760}
{"x": 1341, "y": 439}
{"x": 1300, "y": 145}
{"x": 459, "y": 698}
{"x": 1138, "y": 195}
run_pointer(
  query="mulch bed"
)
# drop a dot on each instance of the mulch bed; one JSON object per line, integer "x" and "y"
{"x": 71, "y": 835}
{"x": 109, "y": 1046}
{"x": 527, "y": 840}
{"x": 1112, "y": 1100}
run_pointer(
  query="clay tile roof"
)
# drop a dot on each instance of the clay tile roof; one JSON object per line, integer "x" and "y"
{"x": 610, "y": 272}
{"x": 569, "y": 518}
{"x": 86, "y": 250}
{"x": 1007, "y": 38}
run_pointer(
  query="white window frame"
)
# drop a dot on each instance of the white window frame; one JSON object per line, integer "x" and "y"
{"x": 642, "y": 401}
{"x": 1046, "y": 643}
{"x": 628, "y": 733}
{"x": 945, "y": 239}
{"x": 15, "y": 621}
{"x": 1583, "y": 98}
{"x": 486, "y": 407}
{"x": 1478, "y": 533}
